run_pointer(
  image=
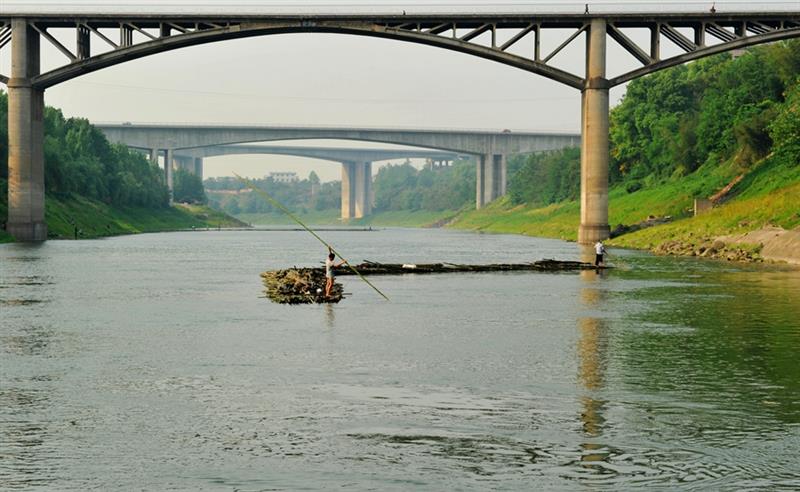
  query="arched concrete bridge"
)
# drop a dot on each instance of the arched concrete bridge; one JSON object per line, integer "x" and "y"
{"x": 356, "y": 166}
{"x": 491, "y": 148}
{"x": 511, "y": 38}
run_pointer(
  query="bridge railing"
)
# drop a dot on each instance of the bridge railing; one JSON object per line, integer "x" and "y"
{"x": 367, "y": 7}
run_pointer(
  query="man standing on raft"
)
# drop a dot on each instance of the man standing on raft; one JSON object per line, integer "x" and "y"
{"x": 329, "y": 266}
{"x": 599, "y": 250}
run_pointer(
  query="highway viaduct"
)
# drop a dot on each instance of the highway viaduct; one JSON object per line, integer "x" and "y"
{"x": 356, "y": 166}
{"x": 490, "y": 148}
{"x": 512, "y": 37}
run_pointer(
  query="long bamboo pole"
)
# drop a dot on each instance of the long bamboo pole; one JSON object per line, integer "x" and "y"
{"x": 285, "y": 210}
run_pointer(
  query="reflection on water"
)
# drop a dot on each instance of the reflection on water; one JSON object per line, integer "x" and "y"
{"x": 591, "y": 369}
{"x": 150, "y": 362}
{"x": 330, "y": 316}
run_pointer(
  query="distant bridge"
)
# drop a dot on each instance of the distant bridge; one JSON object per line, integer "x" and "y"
{"x": 357, "y": 196}
{"x": 510, "y": 38}
{"x": 490, "y": 148}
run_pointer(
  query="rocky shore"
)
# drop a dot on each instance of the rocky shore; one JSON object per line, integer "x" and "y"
{"x": 766, "y": 244}
{"x": 711, "y": 248}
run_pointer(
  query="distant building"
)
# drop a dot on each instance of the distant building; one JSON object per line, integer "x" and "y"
{"x": 284, "y": 177}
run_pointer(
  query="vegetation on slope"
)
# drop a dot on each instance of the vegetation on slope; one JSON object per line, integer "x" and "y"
{"x": 679, "y": 134}
{"x": 93, "y": 219}
{"x": 99, "y": 189}
{"x": 79, "y": 160}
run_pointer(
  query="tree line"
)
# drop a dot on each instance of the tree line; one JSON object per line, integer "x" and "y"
{"x": 80, "y": 160}
{"x": 396, "y": 187}
{"x": 232, "y": 196}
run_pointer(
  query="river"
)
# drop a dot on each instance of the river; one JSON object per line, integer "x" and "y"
{"x": 153, "y": 362}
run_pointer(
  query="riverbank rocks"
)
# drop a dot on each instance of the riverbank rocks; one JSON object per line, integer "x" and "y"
{"x": 300, "y": 286}
{"x": 712, "y": 248}
{"x": 776, "y": 243}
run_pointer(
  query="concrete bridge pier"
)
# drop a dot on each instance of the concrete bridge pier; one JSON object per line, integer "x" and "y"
{"x": 363, "y": 204}
{"x": 491, "y": 178}
{"x": 168, "y": 168}
{"x": 26, "y": 221}
{"x": 356, "y": 190}
{"x": 348, "y": 190}
{"x": 198, "y": 167}
{"x": 187, "y": 163}
{"x": 595, "y": 144}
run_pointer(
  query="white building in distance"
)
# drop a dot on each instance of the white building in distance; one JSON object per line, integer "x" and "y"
{"x": 284, "y": 177}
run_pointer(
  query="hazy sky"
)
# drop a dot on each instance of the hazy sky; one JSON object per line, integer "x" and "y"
{"x": 325, "y": 79}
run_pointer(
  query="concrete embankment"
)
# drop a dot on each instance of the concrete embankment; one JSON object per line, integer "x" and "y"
{"x": 765, "y": 244}
{"x": 777, "y": 244}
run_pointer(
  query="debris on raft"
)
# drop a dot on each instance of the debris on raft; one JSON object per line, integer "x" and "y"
{"x": 300, "y": 286}
{"x": 307, "y": 285}
{"x": 373, "y": 268}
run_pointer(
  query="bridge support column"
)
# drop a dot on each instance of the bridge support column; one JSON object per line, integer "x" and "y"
{"x": 168, "y": 168}
{"x": 595, "y": 147}
{"x": 26, "y": 210}
{"x": 348, "y": 190}
{"x": 363, "y": 189}
{"x": 187, "y": 163}
{"x": 479, "y": 170}
{"x": 198, "y": 167}
{"x": 154, "y": 156}
{"x": 491, "y": 179}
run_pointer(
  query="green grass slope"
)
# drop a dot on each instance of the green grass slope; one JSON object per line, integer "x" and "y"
{"x": 95, "y": 219}
{"x": 767, "y": 195}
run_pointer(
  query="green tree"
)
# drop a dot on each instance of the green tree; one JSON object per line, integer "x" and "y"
{"x": 188, "y": 187}
{"x": 785, "y": 129}
{"x": 79, "y": 160}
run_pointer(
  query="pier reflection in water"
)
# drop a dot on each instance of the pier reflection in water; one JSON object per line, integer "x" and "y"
{"x": 152, "y": 362}
{"x": 592, "y": 345}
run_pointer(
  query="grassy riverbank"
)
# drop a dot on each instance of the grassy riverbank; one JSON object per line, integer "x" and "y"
{"x": 765, "y": 197}
{"x": 95, "y": 219}
{"x": 561, "y": 220}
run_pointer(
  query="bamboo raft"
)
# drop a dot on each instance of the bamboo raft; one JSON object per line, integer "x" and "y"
{"x": 373, "y": 268}
{"x": 300, "y": 286}
{"x": 307, "y": 285}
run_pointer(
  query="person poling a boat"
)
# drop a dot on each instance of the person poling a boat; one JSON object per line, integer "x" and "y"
{"x": 285, "y": 210}
{"x": 599, "y": 250}
{"x": 329, "y": 266}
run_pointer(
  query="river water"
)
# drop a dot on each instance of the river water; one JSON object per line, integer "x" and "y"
{"x": 153, "y": 362}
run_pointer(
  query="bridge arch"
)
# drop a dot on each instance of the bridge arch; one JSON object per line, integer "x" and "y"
{"x": 331, "y": 154}
{"x": 218, "y": 34}
{"x": 734, "y": 31}
{"x": 429, "y": 147}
